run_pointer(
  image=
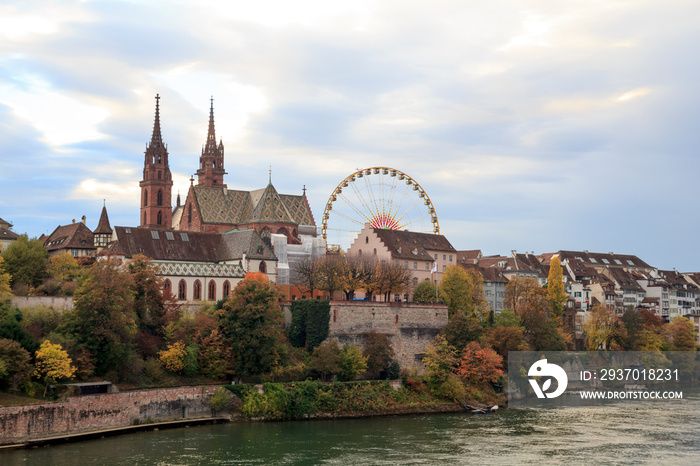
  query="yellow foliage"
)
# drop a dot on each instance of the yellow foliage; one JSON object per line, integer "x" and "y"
{"x": 5, "y": 290}
{"x": 53, "y": 363}
{"x": 173, "y": 358}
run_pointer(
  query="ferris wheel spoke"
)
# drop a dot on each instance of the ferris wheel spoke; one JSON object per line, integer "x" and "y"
{"x": 370, "y": 189}
{"x": 361, "y": 198}
{"x": 411, "y": 208}
{"x": 347, "y": 217}
{"x": 411, "y": 222}
{"x": 357, "y": 210}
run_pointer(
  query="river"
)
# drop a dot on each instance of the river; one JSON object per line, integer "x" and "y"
{"x": 632, "y": 433}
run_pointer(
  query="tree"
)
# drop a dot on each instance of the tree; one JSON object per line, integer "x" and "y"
{"x": 505, "y": 339}
{"x": 479, "y": 365}
{"x": 325, "y": 359}
{"x": 304, "y": 275}
{"x": 173, "y": 357}
{"x": 5, "y": 280}
{"x": 354, "y": 273}
{"x": 426, "y": 292}
{"x": 555, "y": 287}
{"x": 518, "y": 289}
{"x": 63, "y": 267}
{"x": 11, "y": 327}
{"x": 105, "y": 320}
{"x": 604, "y": 329}
{"x": 542, "y": 332}
{"x": 329, "y": 274}
{"x": 392, "y": 278}
{"x": 352, "y": 362}
{"x": 26, "y": 261}
{"x": 461, "y": 329}
{"x": 463, "y": 292}
{"x": 681, "y": 334}
{"x": 441, "y": 361}
{"x": 252, "y": 321}
{"x": 52, "y": 364}
{"x": 310, "y": 322}
{"x": 15, "y": 364}
{"x": 378, "y": 351}
{"x": 149, "y": 303}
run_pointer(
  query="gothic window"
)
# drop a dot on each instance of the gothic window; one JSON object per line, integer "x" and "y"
{"x": 197, "y": 292}
{"x": 283, "y": 231}
{"x": 227, "y": 289}
{"x": 145, "y": 198}
{"x": 160, "y": 174}
{"x": 212, "y": 291}
{"x": 189, "y": 214}
{"x": 375, "y": 251}
{"x": 182, "y": 290}
{"x": 262, "y": 267}
{"x": 159, "y": 220}
{"x": 366, "y": 239}
{"x": 166, "y": 287}
{"x": 160, "y": 197}
{"x": 145, "y": 218}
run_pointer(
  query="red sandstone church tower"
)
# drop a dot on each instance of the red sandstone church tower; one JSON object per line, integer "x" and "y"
{"x": 211, "y": 163}
{"x": 157, "y": 183}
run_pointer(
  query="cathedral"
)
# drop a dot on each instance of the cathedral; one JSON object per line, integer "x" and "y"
{"x": 205, "y": 245}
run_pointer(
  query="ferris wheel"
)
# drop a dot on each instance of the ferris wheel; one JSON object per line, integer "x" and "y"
{"x": 382, "y": 197}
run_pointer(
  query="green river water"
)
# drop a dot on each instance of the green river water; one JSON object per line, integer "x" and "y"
{"x": 634, "y": 433}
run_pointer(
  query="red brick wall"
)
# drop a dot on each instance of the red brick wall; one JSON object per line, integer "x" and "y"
{"x": 93, "y": 412}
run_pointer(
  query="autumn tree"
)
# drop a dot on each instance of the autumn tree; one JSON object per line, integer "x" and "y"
{"x": 104, "y": 315}
{"x": 63, "y": 267}
{"x": 173, "y": 357}
{"x": 441, "y": 361}
{"x": 26, "y": 261}
{"x": 392, "y": 278}
{"x": 52, "y": 364}
{"x": 354, "y": 272}
{"x": 15, "y": 366}
{"x": 325, "y": 359}
{"x": 378, "y": 350}
{"x": 680, "y": 334}
{"x": 5, "y": 279}
{"x": 329, "y": 274}
{"x": 479, "y": 365}
{"x": 149, "y": 303}
{"x": 541, "y": 330}
{"x": 463, "y": 292}
{"x": 352, "y": 362}
{"x": 304, "y": 275}
{"x": 426, "y": 292}
{"x": 462, "y": 329}
{"x": 555, "y": 287}
{"x": 505, "y": 339}
{"x": 252, "y": 321}
{"x": 518, "y": 289}
{"x": 604, "y": 329}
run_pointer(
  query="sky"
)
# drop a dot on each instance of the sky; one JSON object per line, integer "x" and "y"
{"x": 533, "y": 126}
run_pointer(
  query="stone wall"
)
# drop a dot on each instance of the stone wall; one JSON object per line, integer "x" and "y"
{"x": 409, "y": 326}
{"x": 60, "y": 303}
{"x": 93, "y": 412}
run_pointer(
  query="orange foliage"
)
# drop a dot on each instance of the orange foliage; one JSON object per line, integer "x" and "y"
{"x": 479, "y": 365}
{"x": 259, "y": 276}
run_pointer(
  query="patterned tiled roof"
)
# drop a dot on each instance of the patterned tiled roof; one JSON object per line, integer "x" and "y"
{"x": 235, "y": 243}
{"x": 103, "y": 227}
{"x": 199, "y": 269}
{"x": 73, "y": 236}
{"x": 219, "y": 205}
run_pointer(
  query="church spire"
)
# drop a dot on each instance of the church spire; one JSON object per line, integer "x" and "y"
{"x": 156, "y": 138}
{"x": 157, "y": 182}
{"x": 211, "y": 163}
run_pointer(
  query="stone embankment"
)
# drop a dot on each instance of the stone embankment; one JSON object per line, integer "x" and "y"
{"x": 19, "y": 424}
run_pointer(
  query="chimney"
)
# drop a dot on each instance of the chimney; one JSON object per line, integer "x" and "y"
{"x": 73, "y": 220}
{"x": 84, "y": 219}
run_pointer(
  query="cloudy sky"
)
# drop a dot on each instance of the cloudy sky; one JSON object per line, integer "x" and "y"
{"x": 533, "y": 125}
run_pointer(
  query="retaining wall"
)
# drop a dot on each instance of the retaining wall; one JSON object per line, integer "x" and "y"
{"x": 60, "y": 303}
{"x": 92, "y": 412}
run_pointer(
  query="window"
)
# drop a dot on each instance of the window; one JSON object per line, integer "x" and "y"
{"x": 375, "y": 251}
{"x": 605, "y": 261}
{"x": 182, "y": 290}
{"x": 262, "y": 267}
{"x": 359, "y": 253}
{"x": 159, "y": 218}
{"x": 435, "y": 256}
{"x": 145, "y": 197}
{"x": 444, "y": 257}
{"x": 577, "y": 294}
{"x": 159, "y": 197}
{"x": 227, "y": 289}
{"x": 154, "y": 234}
{"x": 212, "y": 291}
{"x": 450, "y": 257}
{"x": 169, "y": 235}
{"x": 630, "y": 262}
{"x": 197, "y": 292}
{"x": 366, "y": 239}
{"x": 617, "y": 261}
{"x": 166, "y": 286}
{"x": 184, "y": 236}
{"x": 415, "y": 281}
{"x": 189, "y": 214}
{"x": 427, "y": 266}
{"x": 405, "y": 264}
{"x": 593, "y": 260}
{"x": 444, "y": 267}
{"x": 415, "y": 266}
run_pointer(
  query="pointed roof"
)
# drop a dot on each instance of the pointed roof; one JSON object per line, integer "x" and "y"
{"x": 211, "y": 147}
{"x": 103, "y": 227}
{"x": 157, "y": 138}
{"x": 269, "y": 206}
